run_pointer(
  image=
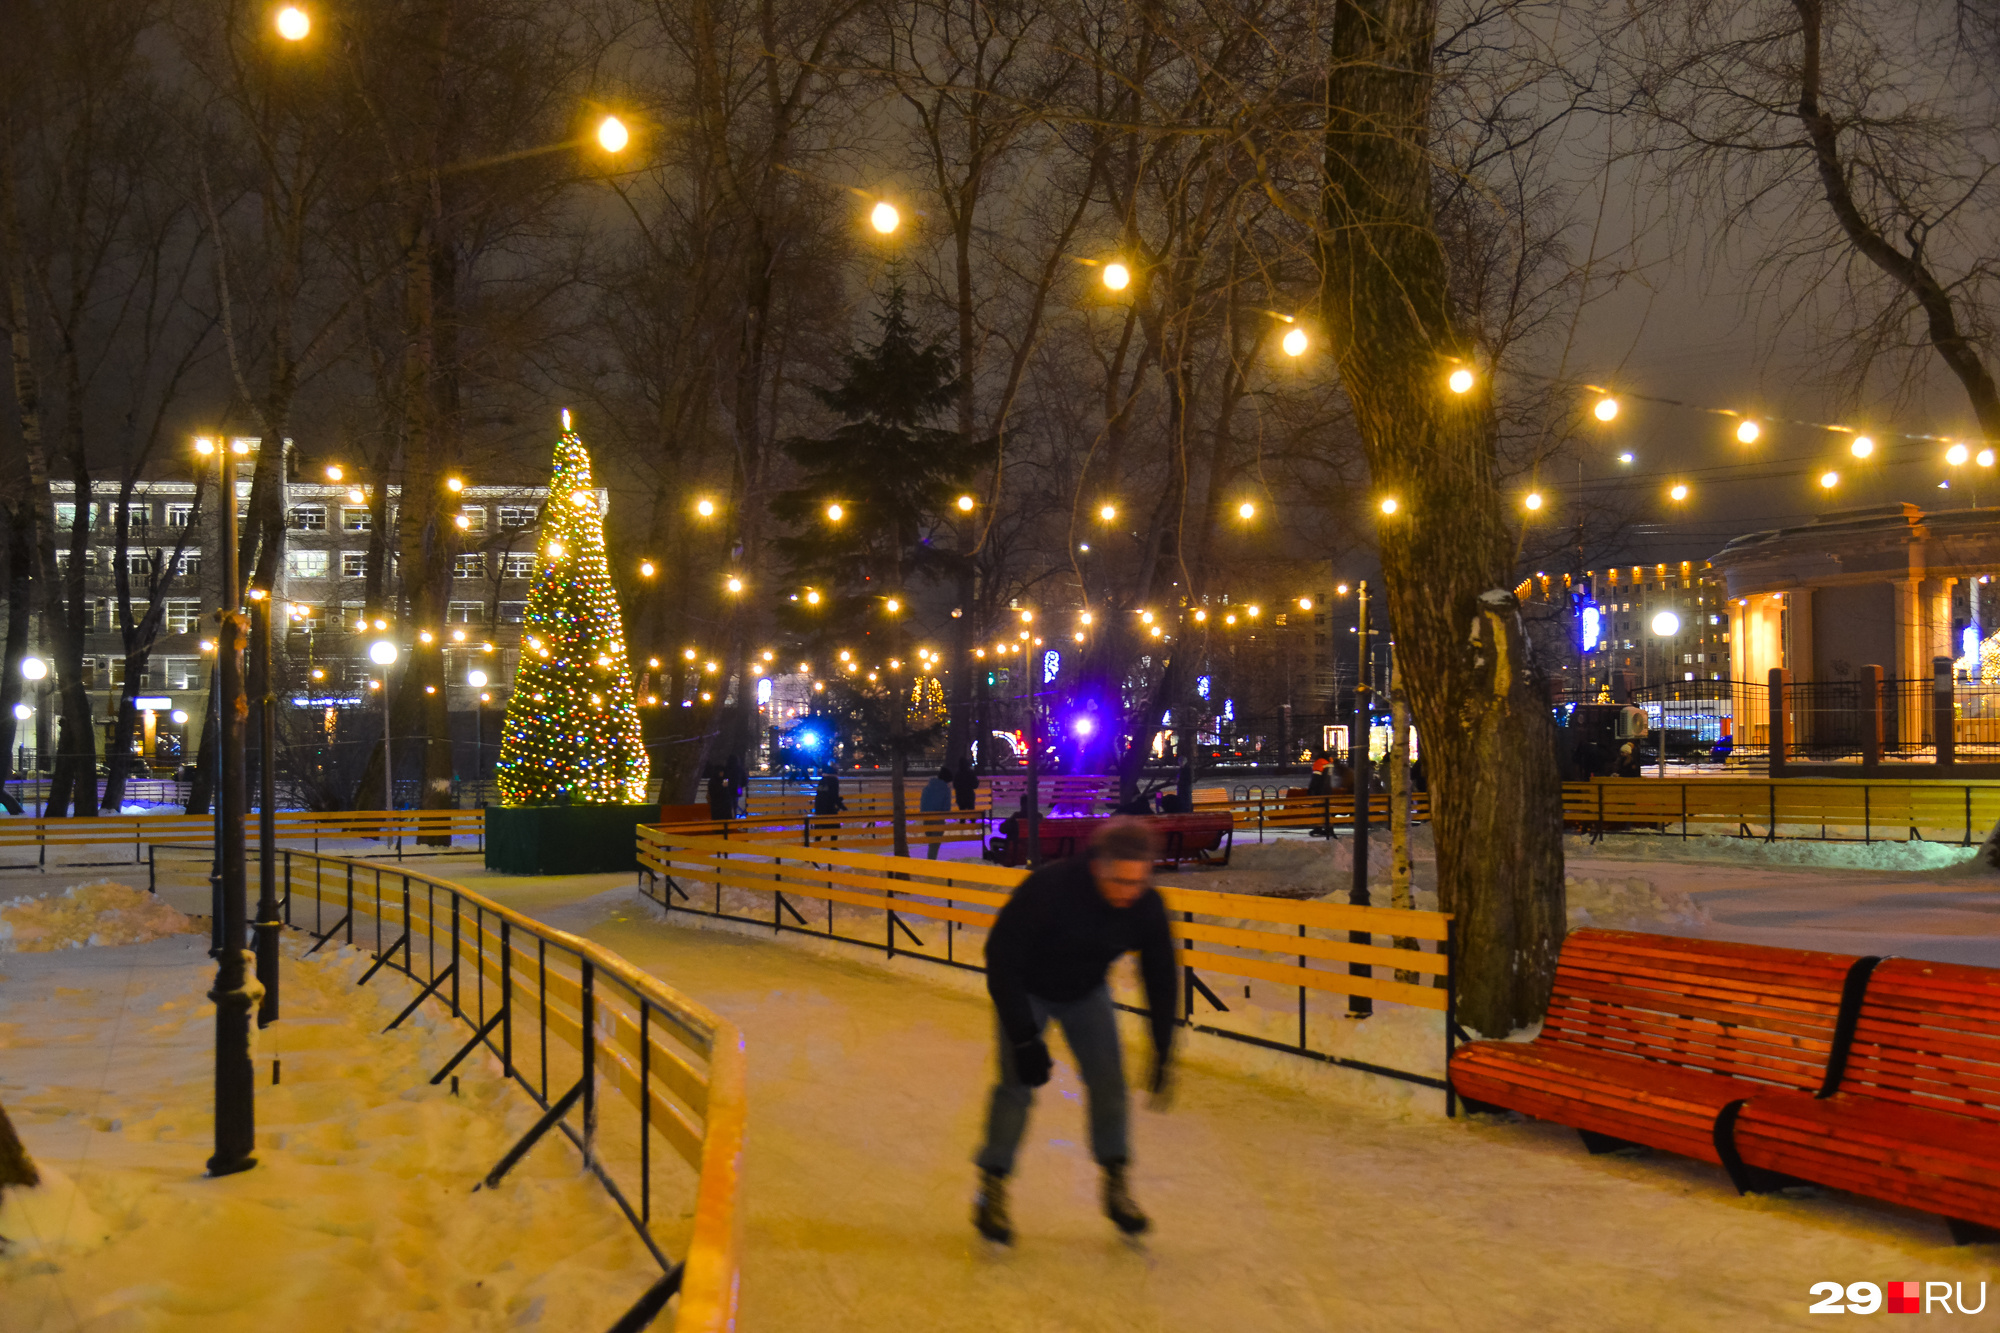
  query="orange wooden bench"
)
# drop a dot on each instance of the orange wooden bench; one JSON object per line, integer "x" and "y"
{"x": 1649, "y": 1038}
{"x": 1912, "y": 1114}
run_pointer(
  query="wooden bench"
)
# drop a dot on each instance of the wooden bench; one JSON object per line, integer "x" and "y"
{"x": 1912, "y": 1114}
{"x": 1649, "y": 1038}
{"x": 1189, "y": 837}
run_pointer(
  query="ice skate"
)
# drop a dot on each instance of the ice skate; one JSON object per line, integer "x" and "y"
{"x": 991, "y": 1214}
{"x": 1118, "y": 1205}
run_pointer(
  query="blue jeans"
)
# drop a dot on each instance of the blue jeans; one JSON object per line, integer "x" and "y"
{"x": 1090, "y": 1026}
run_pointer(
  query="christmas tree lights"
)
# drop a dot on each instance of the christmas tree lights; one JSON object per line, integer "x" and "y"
{"x": 572, "y": 729}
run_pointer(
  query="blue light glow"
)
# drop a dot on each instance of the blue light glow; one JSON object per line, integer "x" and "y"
{"x": 1593, "y": 627}
{"x": 1969, "y": 642}
{"x": 764, "y": 690}
{"x": 1201, "y": 686}
{"x": 1051, "y": 664}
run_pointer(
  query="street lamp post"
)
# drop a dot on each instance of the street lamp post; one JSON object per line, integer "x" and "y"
{"x": 235, "y": 1093}
{"x": 267, "y": 924}
{"x": 383, "y": 654}
{"x": 1360, "y": 1006}
{"x": 477, "y": 680}
{"x": 1666, "y": 625}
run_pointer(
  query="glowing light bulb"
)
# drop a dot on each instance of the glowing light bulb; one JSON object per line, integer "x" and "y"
{"x": 812, "y": 599}
{"x": 333, "y": 472}
{"x": 965, "y": 503}
{"x": 1117, "y": 277}
{"x": 1533, "y": 500}
{"x": 355, "y": 496}
{"x": 645, "y": 569}
{"x": 1606, "y": 409}
{"x": 706, "y": 508}
{"x": 1107, "y": 512}
{"x": 1679, "y": 492}
{"x": 1389, "y": 505}
{"x": 612, "y": 136}
{"x": 1985, "y": 458}
{"x": 1747, "y": 432}
{"x": 1862, "y": 446}
{"x": 1829, "y": 480}
{"x": 835, "y": 513}
{"x": 204, "y": 445}
{"x": 1246, "y": 510}
{"x": 884, "y": 217}
{"x": 294, "y": 24}
{"x": 893, "y": 604}
{"x": 735, "y": 585}
{"x": 1305, "y": 603}
{"x": 463, "y": 522}
{"x": 1460, "y": 380}
{"x": 1295, "y": 342}
{"x": 555, "y": 550}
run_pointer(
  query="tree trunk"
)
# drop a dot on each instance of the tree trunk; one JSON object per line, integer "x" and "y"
{"x": 1446, "y": 551}
{"x": 20, "y": 590}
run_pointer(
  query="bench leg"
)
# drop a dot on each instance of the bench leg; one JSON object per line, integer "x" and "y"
{"x": 1473, "y": 1106}
{"x": 1604, "y": 1143}
{"x": 1971, "y": 1233}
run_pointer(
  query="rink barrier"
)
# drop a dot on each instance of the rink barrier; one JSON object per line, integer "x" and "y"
{"x": 568, "y": 1020}
{"x": 1332, "y": 952}
{"x": 395, "y": 827}
{"x": 843, "y": 830}
{"x": 1883, "y": 811}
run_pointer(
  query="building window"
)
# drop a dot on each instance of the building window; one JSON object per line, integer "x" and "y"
{"x": 182, "y": 673}
{"x": 464, "y": 613}
{"x": 307, "y": 564}
{"x": 308, "y": 618}
{"x": 352, "y": 614}
{"x": 138, "y": 515}
{"x": 307, "y": 518}
{"x": 182, "y": 614}
{"x": 517, "y": 516}
{"x": 475, "y": 517}
{"x": 518, "y": 565}
{"x": 189, "y": 565}
{"x": 513, "y": 613}
{"x": 354, "y": 564}
{"x": 180, "y": 513}
{"x": 471, "y": 565}
{"x": 356, "y": 520}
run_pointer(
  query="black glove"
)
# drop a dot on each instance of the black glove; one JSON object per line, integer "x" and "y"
{"x": 1032, "y": 1063}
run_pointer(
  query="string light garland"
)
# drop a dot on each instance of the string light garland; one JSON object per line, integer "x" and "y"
{"x": 572, "y": 730}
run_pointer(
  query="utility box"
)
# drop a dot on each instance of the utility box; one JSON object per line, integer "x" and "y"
{"x": 565, "y": 839}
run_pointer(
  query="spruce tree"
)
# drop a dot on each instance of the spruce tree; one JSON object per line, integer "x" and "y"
{"x": 893, "y": 474}
{"x": 572, "y": 731}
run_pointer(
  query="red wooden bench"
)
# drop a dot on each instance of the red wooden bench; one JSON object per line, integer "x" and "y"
{"x": 1649, "y": 1038}
{"x": 1189, "y": 837}
{"x": 1913, "y": 1111}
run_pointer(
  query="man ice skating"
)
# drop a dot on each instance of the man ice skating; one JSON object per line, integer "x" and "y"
{"x": 1046, "y": 959}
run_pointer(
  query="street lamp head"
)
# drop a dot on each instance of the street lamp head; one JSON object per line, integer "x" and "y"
{"x": 612, "y": 136}
{"x": 1829, "y": 480}
{"x": 645, "y": 569}
{"x": 1679, "y": 492}
{"x": 705, "y": 507}
{"x": 1305, "y": 603}
{"x": 382, "y": 652}
{"x": 463, "y": 522}
{"x": 1107, "y": 512}
{"x": 454, "y": 484}
{"x": 1533, "y": 500}
{"x": 1606, "y": 409}
{"x": 735, "y": 585}
{"x": 1666, "y": 624}
{"x": 294, "y": 24}
{"x": 1747, "y": 432}
{"x": 1295, "y": 342}
{"x": 1460, "y": 380}
{"x": 334, "y": 472}
{"x": 204, "y": 445}
{"x": 965, "y": 503}
{"x": 1389, "y": 504}
{"x": 180, "y": 715}
{"x": 1862, "y": 446}
{"x": 475, "y": 678}
{"x": 1246, "y": 510}
{"x": 356, "y": 496}
{"x": 884, "y": 218}
{"x": 23, "y": 712}
{"x": 33, "y": 668}
{"x": 835, "y": 513}
{"x": 893, "y": 605}
{"x": 1117, "y": 277}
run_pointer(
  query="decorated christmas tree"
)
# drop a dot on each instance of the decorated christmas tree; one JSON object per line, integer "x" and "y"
{"x": 572, "y": 731}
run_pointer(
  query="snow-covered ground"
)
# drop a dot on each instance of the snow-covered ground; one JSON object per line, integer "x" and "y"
{"x": 1285, "y": 1197}
{"x": 360, "y": 1213}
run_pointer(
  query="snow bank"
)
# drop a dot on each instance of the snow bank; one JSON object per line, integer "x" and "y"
{"x": 360, "y": 1212}
{"x": 1808, "y": 852}
{"x": 1631, "y": 904}
{"x": 104, "y": 912}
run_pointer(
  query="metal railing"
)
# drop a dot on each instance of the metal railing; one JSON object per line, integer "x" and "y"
{"x": 1331, "y": 955}
{"x": 569, "y": 1021}
{"x": 1833, "y": 810}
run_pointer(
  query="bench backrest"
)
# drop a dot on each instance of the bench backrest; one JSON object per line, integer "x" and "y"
{"x": 1742, "y": 1010}
{"x": 1928, "y": 1035}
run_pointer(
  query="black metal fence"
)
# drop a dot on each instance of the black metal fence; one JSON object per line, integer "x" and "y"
{"x": 568, "y": 1022}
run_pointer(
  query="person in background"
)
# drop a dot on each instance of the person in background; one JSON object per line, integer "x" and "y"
{"x": 1321, "y": 784}
{"x": 965, "y": 784}
{"x": 721, "y": 805}
{"x": 935, "y": 805}
{"x": 1047, "y": 957}
{"x": 738, "y": 778}
{"x": 826, "y": 796}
